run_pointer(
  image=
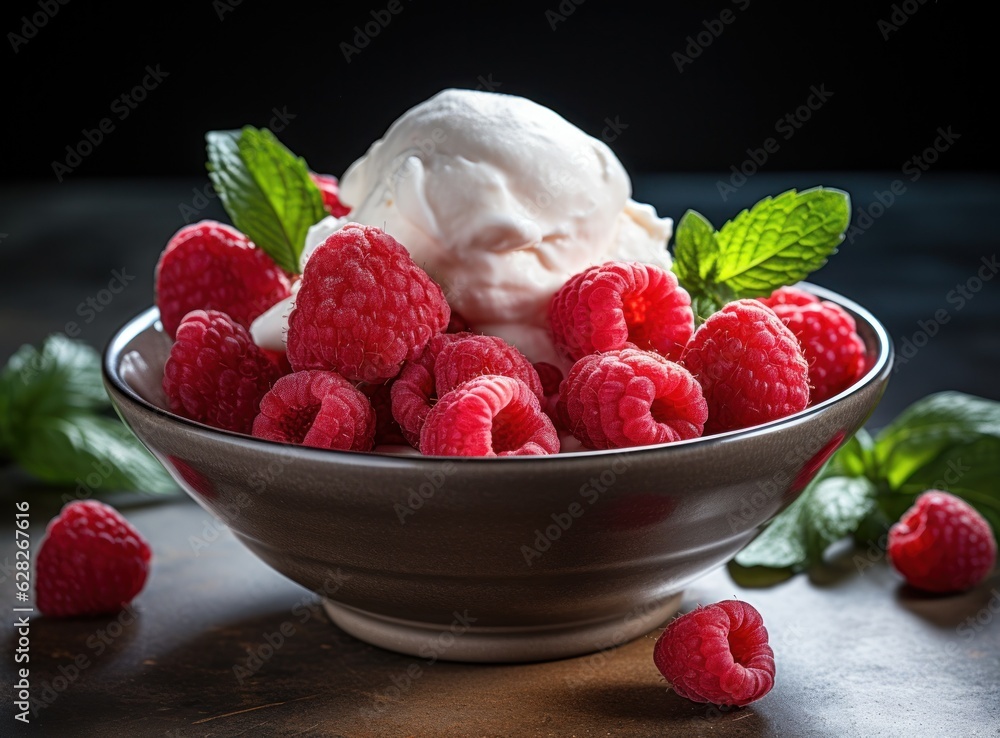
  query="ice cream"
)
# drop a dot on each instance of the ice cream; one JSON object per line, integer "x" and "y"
{"x": 501, "y": 201}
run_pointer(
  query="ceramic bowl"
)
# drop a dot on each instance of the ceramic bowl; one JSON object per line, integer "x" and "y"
{"x": 500, "y": 560}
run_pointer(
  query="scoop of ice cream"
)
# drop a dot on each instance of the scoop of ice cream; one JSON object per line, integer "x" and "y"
{"x": 501, "y": 201}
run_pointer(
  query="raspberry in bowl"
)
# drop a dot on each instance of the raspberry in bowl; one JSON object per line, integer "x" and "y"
{"x": 452, "y": 311}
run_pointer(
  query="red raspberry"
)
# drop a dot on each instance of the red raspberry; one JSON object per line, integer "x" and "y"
{"x": 90, "y": 562}
{"x": 631, "y": 398}
{"x": 211, "y": 266}
{"x": 319, "y": 409}
{"x": 836, "y": 355}
{"x": 789, "y": 296}
{"x": 609, "y": 305}
{"x": 942, "y": 544}
{"x": 330, "y": 189}
{"x": 750, "y": 366}
{"x": 551, "y": 377}
{"x": 717, "y": 654}
{"x": 449, "y": 360}
{"x": 489, "y": 416}
{"x": 364, "y": 307}
{"x": 215, "y": 373}
{"x": 387, "y": 430}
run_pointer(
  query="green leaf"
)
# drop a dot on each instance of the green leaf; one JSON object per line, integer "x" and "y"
{"x": 695, "y": 251}
{"x": 781, "y": 240}
{"x": 782, "y": 543}
{"x": 931, "y": 426}
{"x": 94, "y": 452}
{"x": 266, "y": 190}
{"x": 856, "y": 458}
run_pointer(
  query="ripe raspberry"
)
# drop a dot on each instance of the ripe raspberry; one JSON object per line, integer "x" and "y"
{"x": 609, "y": 305}
{"x": 631, "y": 398}
{"x": 750, "y": 366}
{"x": 387, "y": 430}
{"x": 364, "y": 307}
{"x": 836, "y": 355}
{"x": 489, "y": 416}
{"x": 319, "y": 409}
{"x": 551, "y": 377}
{"x": 449, "y": 360}
{"x": 211, "y": 266}
{"x": 330, "y": 189}
{"x": 90, "y": 562}
{"x": 215, "y": 373}
{"x": 717, "y": 654}
{"x": 942, "y": 544}
{"x": 789, "y": 296}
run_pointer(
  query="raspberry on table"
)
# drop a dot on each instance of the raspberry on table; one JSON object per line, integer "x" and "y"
{"x": 329, "y": 187}
{"x": 631, "y": 398}
{"x": 215, "y": 373}
{"x": 942, "y": 544}
{"x": 607, "y": 306}
{"x": 718, "y": 654}
{"x": 211, "y": 266}
{"x": 319, "y": 409}
{"x": 490, "y": 415}
{"x": 90, "y": 562}
{"x": 449, "y": 360}
{"x": 364, "y": 307}
{"x": 750, "y": 366}
{"x": 836, "y": 354}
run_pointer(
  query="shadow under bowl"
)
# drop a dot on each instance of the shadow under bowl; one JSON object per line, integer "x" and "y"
{"x": 492, "y": 560}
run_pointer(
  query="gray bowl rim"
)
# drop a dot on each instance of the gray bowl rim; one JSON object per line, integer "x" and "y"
{"x": 148, "y": 317}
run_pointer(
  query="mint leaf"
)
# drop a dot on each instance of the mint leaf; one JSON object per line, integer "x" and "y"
{"x": 50, "y": 400}
{"x": 828, "y": 510}
{"x": 781, "y": 240}
{"x": 90, "y": 450}
{"x": 696, "y": 252}
{"x": 266, "y": 190}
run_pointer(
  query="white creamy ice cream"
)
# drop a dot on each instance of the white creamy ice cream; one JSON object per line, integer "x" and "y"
{"x": 501, "y": 201}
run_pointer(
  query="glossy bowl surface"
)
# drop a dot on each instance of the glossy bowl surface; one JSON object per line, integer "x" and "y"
{"x": 512, "y": 559}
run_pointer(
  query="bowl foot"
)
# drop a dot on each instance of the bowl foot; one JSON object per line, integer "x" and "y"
{"x": 462, "y": 640}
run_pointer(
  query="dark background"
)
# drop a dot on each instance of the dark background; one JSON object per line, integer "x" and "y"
{"x": 686, "y": 129}
{"x": 606, "y": 59}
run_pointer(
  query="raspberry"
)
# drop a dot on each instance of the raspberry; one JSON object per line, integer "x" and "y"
{"x": 364, "y": 307}
{"x": 789, "y": 296}
{"x": 457, "y": 324}
{"x": 387, "y": 430}
{"x": 551, "y": 377}
{"x": 330, "y": 189}
{"x": 90, "y": 562}
{"x": 489, "y": 416}
{"x": 750, "y": 366}
{"x": 449, "y": 360}
{"x": 942, "y": 544}
{"x": 631, "y": 398}
{"x": 316, "y": 408}
{"x": 210, "y": 266}
{"x": 836, "y": 355}
{"x": 215, "y": 373}
{"x": 609, "y": 305}
{"x": 717, "y": 654}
